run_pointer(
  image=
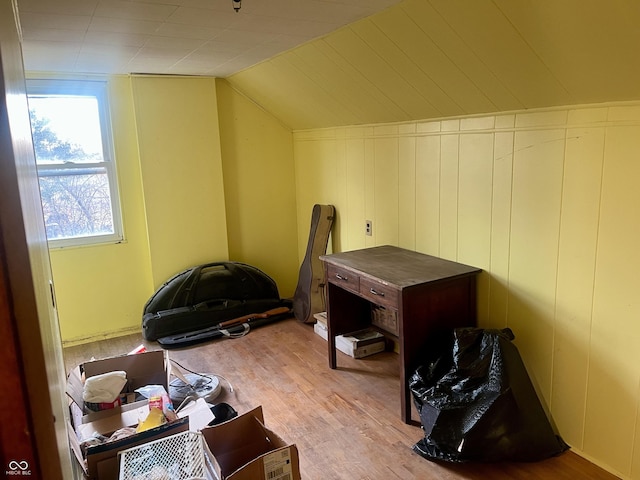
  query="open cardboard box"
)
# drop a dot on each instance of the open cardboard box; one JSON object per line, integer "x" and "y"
{"x": 149, "y": 368}
{"x": 243, "y": 448}
{"x": 101, "y": 461}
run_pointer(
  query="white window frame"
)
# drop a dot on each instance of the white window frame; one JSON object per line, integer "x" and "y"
{"x": 97, "y": 88}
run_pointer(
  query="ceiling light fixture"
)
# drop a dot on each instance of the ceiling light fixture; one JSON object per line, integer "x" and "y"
{"x": 236, "y": 5}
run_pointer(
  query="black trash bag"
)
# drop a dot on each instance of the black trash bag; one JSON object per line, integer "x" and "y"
{"x": 476, "y": 402}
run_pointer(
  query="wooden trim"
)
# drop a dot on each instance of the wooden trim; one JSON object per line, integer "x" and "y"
{"x": 19, "y": 450}
{"x": 32, "y": 380}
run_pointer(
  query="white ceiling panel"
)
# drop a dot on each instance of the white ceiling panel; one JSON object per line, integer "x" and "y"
{"x": 170, "y": 34}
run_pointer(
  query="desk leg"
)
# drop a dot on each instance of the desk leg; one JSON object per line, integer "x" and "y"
{"x": 405, "y": 401}
{"x": 405, "y": 407}
{"x": 331, "y": 336}
{"x": 406, "y": 404}
{"x": 331, "y": 340}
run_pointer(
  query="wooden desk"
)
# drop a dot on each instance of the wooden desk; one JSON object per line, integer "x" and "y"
{"x": 420, "y": 294}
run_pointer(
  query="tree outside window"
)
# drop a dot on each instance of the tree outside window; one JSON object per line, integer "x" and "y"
{"x": 76, "y": 170}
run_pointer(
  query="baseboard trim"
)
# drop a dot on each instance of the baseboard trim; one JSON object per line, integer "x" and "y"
{"x": 101, "y": 336}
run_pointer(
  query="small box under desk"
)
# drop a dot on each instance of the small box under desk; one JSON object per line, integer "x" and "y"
{"x": 406, "y": 294}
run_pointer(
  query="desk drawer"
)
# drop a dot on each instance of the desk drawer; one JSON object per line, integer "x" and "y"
{"x": 343, "y": 278}
{"x": 378, "y": 293}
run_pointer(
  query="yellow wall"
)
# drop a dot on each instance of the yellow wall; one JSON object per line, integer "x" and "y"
{"x": 259, "y": 187}
{"x": 170, "y": 177}
{"x": 182, "y": 205}
{"x": 181, "y": 164}
{"x": 101, "y": 289}
{"x": 545, "y": 202}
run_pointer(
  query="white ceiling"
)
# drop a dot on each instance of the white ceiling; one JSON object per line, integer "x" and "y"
{"x": 186, "y": 37}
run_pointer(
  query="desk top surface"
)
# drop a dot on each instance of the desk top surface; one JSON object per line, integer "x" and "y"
{"x": 398, "y": 266}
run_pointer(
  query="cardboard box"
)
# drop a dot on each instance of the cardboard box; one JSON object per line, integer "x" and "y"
{"x": 100, "y": 462}
{"x": 351, "y": 343}
{"x": 177, "y": 457}
{"x": 149, "y": 368}
{"x": 361, "y": 343}
{"x": 321, "y": 317}
{"x": 321, "y": 330}
{"x": 245, "y": 449}
{"x": 386, "y": 319}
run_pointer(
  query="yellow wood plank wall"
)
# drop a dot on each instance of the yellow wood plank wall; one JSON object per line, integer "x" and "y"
{"x": 181, "y": 167}
{"x": 546, "y": 203}
{"x": 259, "y": 188}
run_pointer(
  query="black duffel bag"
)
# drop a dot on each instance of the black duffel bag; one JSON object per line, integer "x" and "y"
{"x": 206, "y": 295}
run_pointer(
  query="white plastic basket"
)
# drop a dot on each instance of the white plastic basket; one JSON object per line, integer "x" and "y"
{"x": 176, "y": 457}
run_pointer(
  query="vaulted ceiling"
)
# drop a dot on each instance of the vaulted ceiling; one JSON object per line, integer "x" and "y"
{"x": 324, "y": 63}
{"x": 425, "y": 59}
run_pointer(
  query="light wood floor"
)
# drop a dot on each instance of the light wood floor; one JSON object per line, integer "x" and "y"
{"x": 345, "y": 422}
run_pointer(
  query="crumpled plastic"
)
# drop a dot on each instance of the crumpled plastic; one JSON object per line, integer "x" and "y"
{"x": 477, "y": 403}
{"x": 159, "y": 398}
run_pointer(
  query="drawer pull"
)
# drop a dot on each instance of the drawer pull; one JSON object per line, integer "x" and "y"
{"x": 373, "y": 292}
{"x": 341, "y": 277}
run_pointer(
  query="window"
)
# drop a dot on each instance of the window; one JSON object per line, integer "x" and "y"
{"x": 74, "y": 156}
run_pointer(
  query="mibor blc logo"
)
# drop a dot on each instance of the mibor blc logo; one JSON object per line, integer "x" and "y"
{"x": 18, "y": 468}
